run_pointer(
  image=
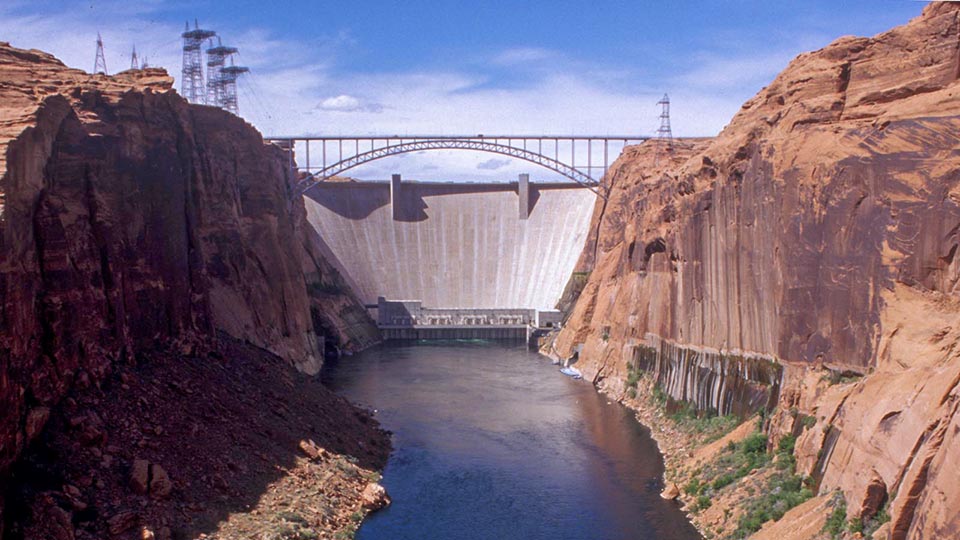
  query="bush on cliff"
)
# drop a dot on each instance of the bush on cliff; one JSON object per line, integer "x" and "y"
{"x": 783, "y": 492}
{"x": 736, "y": 462}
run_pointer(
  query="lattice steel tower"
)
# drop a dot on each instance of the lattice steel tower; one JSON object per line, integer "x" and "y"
{"x": 134, "y": 59}
{"x": 216, "y": 60}
{"x": 664, "y": 133}
{"x": 229, "y": 74}
{"x": 100, "y": 63}
{"x": 191, "y": 80}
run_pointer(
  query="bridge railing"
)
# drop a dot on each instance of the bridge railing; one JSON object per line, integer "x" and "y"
{"x": 581, "y": 158}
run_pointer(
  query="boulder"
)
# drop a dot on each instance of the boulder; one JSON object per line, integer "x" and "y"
{"x": 160, "y": 484}
{"x": 122, "y": 522}
{"x": 374, "y": 497}
{"x": 140, "y": 476}
{"x": 671, "y": 492}
{"x": 311, "y": 449}
{"x": 36, "y": 419}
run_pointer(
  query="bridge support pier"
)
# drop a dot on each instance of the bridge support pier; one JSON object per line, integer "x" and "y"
{"x": 524, "y": 196}
{"x": 395, "y": 196}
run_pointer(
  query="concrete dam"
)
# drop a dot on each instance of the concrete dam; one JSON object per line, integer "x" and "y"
{"x": 454, "y": 246}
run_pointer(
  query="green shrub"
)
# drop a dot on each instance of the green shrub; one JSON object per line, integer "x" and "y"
{"x": 841, "y": 377}
{"x": 292, "y": 517}
{"x": 876, "y": 521}
{"x": 723, "y": 481}
{"x": 659, "y": 396}
{"x": 735, "y": 462}
{"x": 783, "y": 492}
{"x": 838, "y": 518}
{"x": 755, "y": 443}
{"x": 787, "y": 444}
{"x": 347, "y": 533}
{"x": 693, "y": 487}
{"x": 785, "y": 459}
{"x": 706, "y": 423}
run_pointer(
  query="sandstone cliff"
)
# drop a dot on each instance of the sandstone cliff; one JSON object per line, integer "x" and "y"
{"x": 819, "y": 228}
{"x": 132, "y": 221}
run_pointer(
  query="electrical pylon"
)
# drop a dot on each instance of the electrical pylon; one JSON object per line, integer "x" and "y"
{"x": 100, "y": 63}
{"x": 664, "y": 133}
{"x": 191, "y": 80}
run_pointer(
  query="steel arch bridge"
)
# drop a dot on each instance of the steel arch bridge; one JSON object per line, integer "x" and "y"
{"x": 348, "y": 152}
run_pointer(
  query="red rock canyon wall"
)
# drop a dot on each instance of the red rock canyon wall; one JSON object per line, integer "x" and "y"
{"x": 819, "y": 227}
{"x": 134, "y": 221}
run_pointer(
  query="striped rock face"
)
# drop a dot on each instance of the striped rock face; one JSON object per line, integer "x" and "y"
{"x": 818, "y": 228}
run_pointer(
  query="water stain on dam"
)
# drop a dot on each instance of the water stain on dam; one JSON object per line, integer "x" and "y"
{"x": 491, "y": 442}
{"x": 453, "y": 245}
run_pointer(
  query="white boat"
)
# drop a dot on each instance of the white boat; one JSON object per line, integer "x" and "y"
{"x": 572, "y": 372}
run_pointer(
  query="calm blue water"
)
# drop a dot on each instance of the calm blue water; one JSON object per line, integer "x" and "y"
{"x": 492, "y": 442}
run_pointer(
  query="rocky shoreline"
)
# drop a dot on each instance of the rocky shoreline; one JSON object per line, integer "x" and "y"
{"x": 675, "y": 445}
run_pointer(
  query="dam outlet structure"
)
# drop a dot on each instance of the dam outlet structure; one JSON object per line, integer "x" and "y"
{"x": 454, "y": 260}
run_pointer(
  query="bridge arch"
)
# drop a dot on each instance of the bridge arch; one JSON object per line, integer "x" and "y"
{"x": 479, "y": 145}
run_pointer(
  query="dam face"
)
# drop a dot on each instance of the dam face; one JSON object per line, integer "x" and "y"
{"x": 467, "y": 246}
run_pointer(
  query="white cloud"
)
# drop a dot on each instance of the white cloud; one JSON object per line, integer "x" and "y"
{"x": 342, "y": 102}
{"x": 347, "y": 103}
{"x": 493, "y": 164}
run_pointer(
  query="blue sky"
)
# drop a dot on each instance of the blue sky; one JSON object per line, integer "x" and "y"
{"x": 468, "y": 67}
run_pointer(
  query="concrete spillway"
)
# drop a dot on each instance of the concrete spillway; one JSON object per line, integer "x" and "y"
{"x": 453, "y": 245}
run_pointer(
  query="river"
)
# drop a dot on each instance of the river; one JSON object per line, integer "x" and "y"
{"x": 492, "y": 442}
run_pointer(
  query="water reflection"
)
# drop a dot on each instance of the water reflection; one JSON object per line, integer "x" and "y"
{"x": 492, "y": 442}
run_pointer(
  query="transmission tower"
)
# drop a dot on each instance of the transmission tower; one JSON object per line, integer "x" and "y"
{"x": 229, "y": 75}
{"x": 100, "y": 63}
{"x": 191, "y": 79}
{"x": 216, "y": 60}
{"x": 134, "y": 59}
{"x": 664, "y": 133}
